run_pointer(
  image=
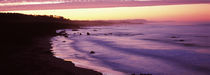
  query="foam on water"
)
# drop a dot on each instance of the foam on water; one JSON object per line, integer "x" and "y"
{"x": 148, "y": 49}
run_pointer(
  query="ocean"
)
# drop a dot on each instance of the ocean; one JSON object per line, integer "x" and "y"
{"x": 151, "y": 48}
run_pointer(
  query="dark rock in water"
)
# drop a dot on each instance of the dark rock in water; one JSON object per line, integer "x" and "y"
{"x": 174, "y": 37}
{"x": 133, "y": 74}
{"x": 88, "y": 33}
{"x": 110, "y": 33}
{"x": 80, "y": 33}
{"x": 181, "y": 40}
{"x": 63, "y": 41}
{"x": 65, "y": 35}
{"x": 62, "y": 32}
{"x": 92, "y": 52}
{"x": 75, "y": 30}
{"x": 140, "y": 34}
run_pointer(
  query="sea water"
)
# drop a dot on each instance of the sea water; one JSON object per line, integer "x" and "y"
{"x": 125, "y": 49}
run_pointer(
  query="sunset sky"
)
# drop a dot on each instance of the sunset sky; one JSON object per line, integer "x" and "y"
{"x": 155, "y": 10}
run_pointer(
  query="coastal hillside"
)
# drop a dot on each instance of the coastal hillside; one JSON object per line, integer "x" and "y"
{"x": 26, "y": 48}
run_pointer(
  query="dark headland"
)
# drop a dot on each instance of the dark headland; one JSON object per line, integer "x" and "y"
{"x": 25, "y": 46}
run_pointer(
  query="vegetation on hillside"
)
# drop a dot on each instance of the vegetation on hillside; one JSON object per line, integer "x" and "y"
{"x": 25, "y": 46}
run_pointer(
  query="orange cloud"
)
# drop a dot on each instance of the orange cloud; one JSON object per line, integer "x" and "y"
{"x": 187, "y": 12}
{"x": 12, "y": 5}
{"x": 30, "y": 3}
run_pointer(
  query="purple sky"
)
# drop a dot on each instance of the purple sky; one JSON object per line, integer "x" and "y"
{"x": 10, "y": 5}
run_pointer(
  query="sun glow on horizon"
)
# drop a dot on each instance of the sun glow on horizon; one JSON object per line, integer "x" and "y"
{"x": 187, "y": 12}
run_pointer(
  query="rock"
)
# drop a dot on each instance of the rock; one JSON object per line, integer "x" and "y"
{"x": 181, "y": 40}
{"x": 174, "y": 37}
{"x": 133, "y": 74}
{"x": 65, "y": 35}
{"x": 80, "y": 33}
{"x": 75, "y": 30}
{"x": 92, "y": 52}
{"x": 88, "y": 33}
{"x": 62, "y": 32}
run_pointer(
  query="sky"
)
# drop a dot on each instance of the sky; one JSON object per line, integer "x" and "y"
{"x": 9, "y": 5}
{"x": 157, "y": 10}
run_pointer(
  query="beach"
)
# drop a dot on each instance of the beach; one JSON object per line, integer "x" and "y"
{"x": 47, "y": 45}
{"x": 26, "y": 47}
{"x": 105, "y": 37}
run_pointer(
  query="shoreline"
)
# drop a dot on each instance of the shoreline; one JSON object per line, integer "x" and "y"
{"x": 42, "y": 61}
{"x": 26, "y": 47}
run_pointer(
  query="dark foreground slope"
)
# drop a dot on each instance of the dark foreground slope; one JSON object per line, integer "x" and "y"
{"x": 25, "y": 46}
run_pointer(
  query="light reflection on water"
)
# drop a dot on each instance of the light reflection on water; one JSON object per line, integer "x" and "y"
{"x": 153, "y": 49}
